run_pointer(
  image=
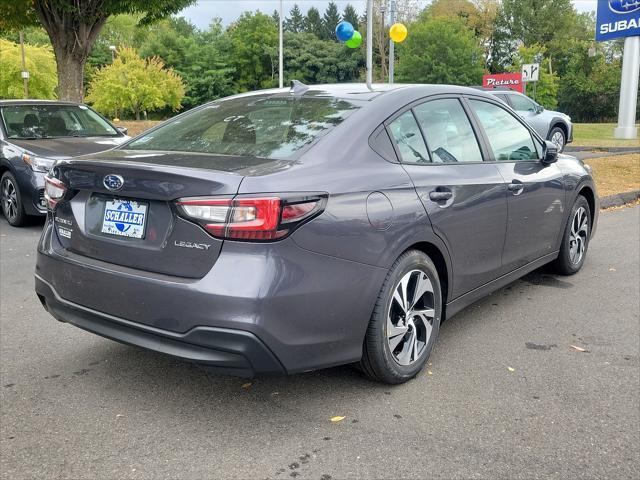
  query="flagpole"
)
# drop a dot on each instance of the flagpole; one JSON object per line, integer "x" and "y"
{"x": 370, "y": 44}
{"x": 281, "y": 51}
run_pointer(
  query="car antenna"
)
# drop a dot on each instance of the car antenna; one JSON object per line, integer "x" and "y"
{"x": 298, "y": 88}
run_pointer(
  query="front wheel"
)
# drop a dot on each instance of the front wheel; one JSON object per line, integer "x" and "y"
{"x": 11, "y": 201}
{"x": 405, "y": 322}
{"x": 575, "y": 240}
{"x": 558, "y": 137}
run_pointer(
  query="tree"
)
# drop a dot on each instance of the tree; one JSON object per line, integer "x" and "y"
{"x": 440, "y": 50}
{"x": 135, "y": 84}
{"x": 351, "y": 15}
{"x": 313, "y": 61}
{"x": 197, "y": 56}
{"x": 73, "y": 27}
{"x": 330, "y": 20}
{"x": 295, "y": 22}
{"x": 276, "y": 17}
{"x": 528, "y": 22}
{"x": 478, "y": 15}
{"x": 41, "y": 65}
{"x": 546, "y": 88}
{"x": 313, "y": 23}
{"x": 590, "y": 88}
{"x": 254, "y": 51}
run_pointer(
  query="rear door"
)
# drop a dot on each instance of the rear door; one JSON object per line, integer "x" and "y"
{"x": 536, "y": 198}
{"x": 464, "y": 196}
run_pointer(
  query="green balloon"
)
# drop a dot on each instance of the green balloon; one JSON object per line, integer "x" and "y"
{"x": 355, "y": 41}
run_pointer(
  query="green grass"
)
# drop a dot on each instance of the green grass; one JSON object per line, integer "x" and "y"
{"x": 599, "y": 135}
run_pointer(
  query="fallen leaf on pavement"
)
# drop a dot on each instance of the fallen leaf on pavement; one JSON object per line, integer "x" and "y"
{"x": 579, "y": 349}
{"x": 429, "y": 372}
{"x": 246, "y": 385}
{"x": 511, "y": 369}
{"x": 337, "y": 419}
{"x": 612, "y": 269}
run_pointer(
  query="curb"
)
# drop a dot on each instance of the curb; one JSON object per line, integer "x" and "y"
{"x": 570, "y": 149}
{"x": 619, "y": 199}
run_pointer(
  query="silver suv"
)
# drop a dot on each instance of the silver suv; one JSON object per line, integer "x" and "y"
{"x": 553, "y": 126}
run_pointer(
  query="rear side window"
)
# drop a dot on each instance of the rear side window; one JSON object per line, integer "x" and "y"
{"x": 448, "y": 132}
{"x": 256, "y": 126}
{"x": 407, "y": 136}
{"x": 509, "y": 139}
{"x": 504, "y": 98}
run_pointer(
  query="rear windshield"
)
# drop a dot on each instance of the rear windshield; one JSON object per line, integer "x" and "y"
{"x": 54, "y": 121}
{"x": 257, "y": 126}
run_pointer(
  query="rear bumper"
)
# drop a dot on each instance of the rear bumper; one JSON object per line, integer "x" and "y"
{"x": 309, "y": 310}
{"x": 228, "y": 351}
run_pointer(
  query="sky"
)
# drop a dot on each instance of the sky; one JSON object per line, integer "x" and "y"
{"x": 204, "y": 11}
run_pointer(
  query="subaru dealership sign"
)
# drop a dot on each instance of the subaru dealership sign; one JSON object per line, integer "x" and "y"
{"x": 617, "y": 18}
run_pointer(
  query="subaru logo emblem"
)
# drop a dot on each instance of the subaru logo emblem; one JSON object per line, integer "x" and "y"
{"x": 113, "y": 182}
{"x": 624, "y": 6}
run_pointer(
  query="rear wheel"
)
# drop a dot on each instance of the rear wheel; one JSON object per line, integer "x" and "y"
{"x": 558, "y": 137}
{"x": 575, "y": 240}
{"x": 11, "y": 200}
{"x": 405, "y": 322}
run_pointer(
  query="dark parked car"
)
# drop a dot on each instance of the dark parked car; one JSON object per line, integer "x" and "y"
{"x": 34, "y": 134}
{"x": 289, "y": 230}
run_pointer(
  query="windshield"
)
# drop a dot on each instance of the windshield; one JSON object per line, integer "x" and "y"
{"x": 52, "y": 121}
{"x": 266, "y": 126}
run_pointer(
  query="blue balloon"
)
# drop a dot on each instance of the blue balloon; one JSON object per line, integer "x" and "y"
{"x": 344, "y": 31}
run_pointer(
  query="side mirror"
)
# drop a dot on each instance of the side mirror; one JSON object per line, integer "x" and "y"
{"x": 539, "y": 109}
{"x": 549, "y": 153}
{"x": 123, "y": 130}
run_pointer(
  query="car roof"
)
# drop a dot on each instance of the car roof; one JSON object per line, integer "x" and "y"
{"x": 35, "y": 102}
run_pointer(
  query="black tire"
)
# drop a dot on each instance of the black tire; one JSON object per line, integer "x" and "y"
{"x": 555, "y": 131}
{"x": 11, "y": 201}
{"x": 378, "y": 361}
{"x": 566, "y": 263}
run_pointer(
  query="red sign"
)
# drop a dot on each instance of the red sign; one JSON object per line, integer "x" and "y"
{"x": 508, "y": 80}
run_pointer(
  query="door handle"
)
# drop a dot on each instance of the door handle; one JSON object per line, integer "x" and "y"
{"x": 515, "y": 187}
{"x": 440, "y": 196}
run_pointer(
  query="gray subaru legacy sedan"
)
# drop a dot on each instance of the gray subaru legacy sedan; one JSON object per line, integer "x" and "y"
{"x": 289, "y": 230}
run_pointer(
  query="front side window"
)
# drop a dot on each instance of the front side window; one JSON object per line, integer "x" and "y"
{"x": 407, "y": 136}
{"x": 54, "y": 121}
{"x": 509, "y": 139}
{"x": 448, "y": 132}
{"x": 521, "y": 103}
{"x": 265, "y": 126}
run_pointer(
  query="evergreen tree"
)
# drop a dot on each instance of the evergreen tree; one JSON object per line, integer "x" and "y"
{"x": 330, "y": 21}
{"x": 313, "y": 23}
{"x": 295, "y": 22}
{"x": 350, "y": 15}
{"x": 276, "y": 17}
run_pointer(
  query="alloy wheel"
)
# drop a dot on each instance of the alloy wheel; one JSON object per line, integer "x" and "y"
{"x": 410, "y": 317}
{"x": 9, "y": 199}
{"x": 578, "y": 236}
{"x": 558, "y": 140}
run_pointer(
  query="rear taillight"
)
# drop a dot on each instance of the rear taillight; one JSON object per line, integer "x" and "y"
{"x": 54, "y": 191}
{"x": 252, "y": 218}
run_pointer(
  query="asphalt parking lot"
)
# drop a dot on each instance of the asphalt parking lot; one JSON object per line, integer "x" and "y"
{"x": 507, "y": 397}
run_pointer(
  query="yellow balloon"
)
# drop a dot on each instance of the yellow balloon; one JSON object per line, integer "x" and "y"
{"x": 398, "y": 32}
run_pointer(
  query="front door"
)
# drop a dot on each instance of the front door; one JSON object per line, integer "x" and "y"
{"x": 536, "y": 200}
{"x": 464, "y": 196}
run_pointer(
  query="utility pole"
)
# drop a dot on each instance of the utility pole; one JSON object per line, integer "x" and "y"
{"x": 25, "y": 73}
{"x": 392, "y": 45}
{"x": 370, "y": 44}
{"x": 281, "y": 52}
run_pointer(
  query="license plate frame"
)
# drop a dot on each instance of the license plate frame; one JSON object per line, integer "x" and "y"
{"x": 124, "y": 218}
